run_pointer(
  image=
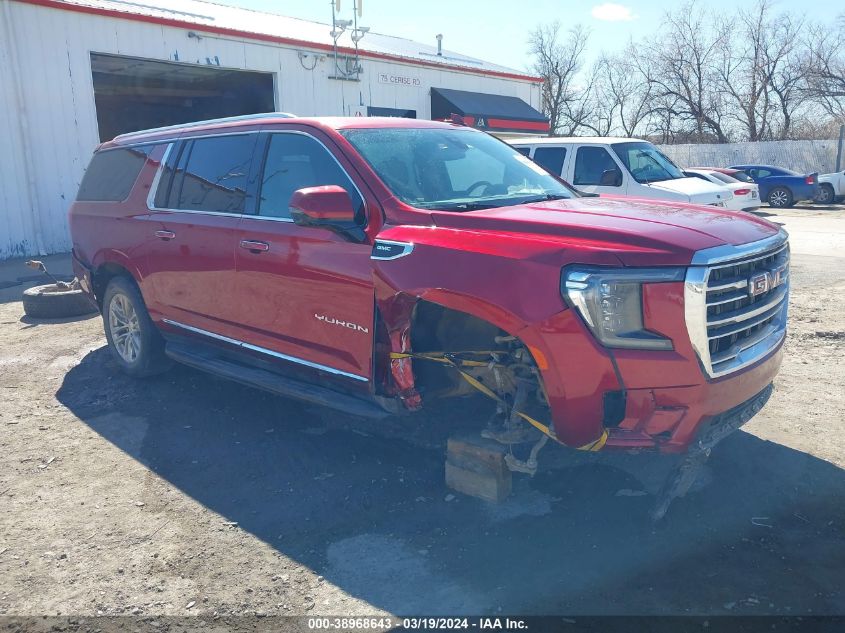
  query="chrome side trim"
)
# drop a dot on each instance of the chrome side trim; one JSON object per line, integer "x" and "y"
{"x": 264, "y": 350}
{"x": 224, "y": 214}
{"x": 729, "y": 252}
{"x": 407, "y": 249}
{"x": 266, "y": 218}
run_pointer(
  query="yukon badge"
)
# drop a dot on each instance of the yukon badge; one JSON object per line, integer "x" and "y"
{"x": 346, "y": 324}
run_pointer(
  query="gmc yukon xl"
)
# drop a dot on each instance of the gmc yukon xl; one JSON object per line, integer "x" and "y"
{"x": 372, "y": 264}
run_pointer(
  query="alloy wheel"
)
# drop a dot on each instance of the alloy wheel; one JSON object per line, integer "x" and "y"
{"x": 778, "y": 198}
{"x": 125, "y": 327}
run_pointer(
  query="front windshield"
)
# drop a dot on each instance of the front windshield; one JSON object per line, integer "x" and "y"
{"x": 646, "y": 163}
{"x": 453, "y": 169}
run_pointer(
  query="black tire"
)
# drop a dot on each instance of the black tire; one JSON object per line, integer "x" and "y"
{"x": 52, "y": 302}
{"x": 149, "y": 358}
{"x": 781, "y": 198}
{"x": 825, "y": 194}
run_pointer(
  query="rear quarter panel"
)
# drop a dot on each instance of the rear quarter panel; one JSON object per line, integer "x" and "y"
{"x": 796, "y": 184}
{"x": 116, "y": 232}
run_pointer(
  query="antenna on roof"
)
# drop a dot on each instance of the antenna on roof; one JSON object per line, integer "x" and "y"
{"x": 350, "y": 69}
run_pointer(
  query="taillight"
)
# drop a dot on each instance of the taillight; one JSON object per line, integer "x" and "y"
{"x": 810, "y": 180}
{"x": 742, "y": 192}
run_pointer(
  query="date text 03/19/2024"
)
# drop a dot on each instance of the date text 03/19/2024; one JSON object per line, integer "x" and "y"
{"x": 420, "y": 623}
{"x": 417, "y": 623}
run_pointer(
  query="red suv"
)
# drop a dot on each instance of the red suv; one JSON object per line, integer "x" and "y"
{"x": 372, "y": 264}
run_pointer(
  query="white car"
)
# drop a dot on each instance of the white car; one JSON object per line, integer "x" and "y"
{"x": 831, "y": 187}
{"x": 746, "y": 196}
{"x": 618, "y": 166}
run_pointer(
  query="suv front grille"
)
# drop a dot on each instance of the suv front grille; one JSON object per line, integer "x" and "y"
{"x": 736, "y": 303}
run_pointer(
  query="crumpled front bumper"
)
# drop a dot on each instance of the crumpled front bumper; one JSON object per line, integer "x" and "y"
{"x": 667, "y": 400}
{"x": 673, "y": 419}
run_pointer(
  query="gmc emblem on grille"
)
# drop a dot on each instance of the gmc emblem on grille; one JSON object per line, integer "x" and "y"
{"x": 765, "y": 281}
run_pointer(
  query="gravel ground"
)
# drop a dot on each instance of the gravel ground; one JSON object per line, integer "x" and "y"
{"x": 189, "y": 495}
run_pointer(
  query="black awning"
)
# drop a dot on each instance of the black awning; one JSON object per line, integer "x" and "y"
{"x": 496, "y": 113}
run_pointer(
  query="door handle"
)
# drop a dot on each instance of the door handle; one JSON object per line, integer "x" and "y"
{"x": 254, "y": 246}
{"x": 165, "y": 235}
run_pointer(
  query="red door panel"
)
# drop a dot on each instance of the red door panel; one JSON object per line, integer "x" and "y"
{"x": 309, "y": 295}
{"x": 199, "y": 199}
{"x": 191, "y": 269}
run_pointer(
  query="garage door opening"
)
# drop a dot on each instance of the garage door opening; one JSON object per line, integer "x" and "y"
{"x": 134, "y": 94}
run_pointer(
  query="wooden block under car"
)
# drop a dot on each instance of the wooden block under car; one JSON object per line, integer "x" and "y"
{"x": 476, "y": 466}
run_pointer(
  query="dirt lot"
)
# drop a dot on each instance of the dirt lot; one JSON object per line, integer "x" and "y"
{"x": 185, "y": 494}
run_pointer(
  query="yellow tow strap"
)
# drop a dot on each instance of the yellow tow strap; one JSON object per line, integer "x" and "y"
{"x": 441, "y": 357}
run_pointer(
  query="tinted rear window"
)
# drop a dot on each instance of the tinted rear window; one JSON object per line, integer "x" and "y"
{"x": 111, "y": 174}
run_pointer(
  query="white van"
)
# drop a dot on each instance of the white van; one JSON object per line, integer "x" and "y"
{"x": 620, "y": 166}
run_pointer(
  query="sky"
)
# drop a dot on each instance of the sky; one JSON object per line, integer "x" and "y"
{"x": 497, "y": 30}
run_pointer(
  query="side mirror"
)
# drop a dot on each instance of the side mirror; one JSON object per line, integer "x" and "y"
{"x": 321, "y": 205}
{"x": 328, "y": 206}
{"x": 611, "y": 178}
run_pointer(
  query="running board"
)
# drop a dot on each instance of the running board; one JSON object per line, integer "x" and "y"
{"x": 270, "y": 381}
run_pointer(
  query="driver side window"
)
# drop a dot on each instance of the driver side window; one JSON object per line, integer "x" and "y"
{"x": 297, "y": 161}
{"x": 591, "y": 163}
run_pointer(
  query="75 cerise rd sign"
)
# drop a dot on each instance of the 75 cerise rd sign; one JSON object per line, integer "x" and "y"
{"x": 401, "y": 80}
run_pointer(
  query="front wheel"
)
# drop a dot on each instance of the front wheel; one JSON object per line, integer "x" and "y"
{"x": 780, "y": 198}
{"x": 134, "y": 341}
{"x": 825, "y": 195}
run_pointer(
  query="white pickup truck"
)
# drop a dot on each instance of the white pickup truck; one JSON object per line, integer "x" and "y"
{"x": 831, "y": 188}
{"x": 619, "y": 166}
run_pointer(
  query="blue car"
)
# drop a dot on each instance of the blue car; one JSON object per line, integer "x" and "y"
{"x": 781, "y": 187}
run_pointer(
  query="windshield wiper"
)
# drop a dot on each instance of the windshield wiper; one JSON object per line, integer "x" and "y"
{"x": 466, "y": 206}
{"x": 499, "y": 202}
{"x": 546, "y": 198}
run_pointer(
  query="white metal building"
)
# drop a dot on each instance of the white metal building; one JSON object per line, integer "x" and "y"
{"x": 74, "y": 73}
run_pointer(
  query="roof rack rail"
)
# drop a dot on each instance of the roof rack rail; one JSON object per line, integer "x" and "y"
{"x": 228, "y": 119}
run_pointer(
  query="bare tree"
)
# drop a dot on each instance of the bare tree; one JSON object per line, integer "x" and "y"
{"x": 622, "y": 95}
{"x": 825, "y": 67}
{"x": 742, "y": 70}
{"x": 784, "y": 71}
{"x": 558, "y": 59}
{"x": 758, "y": 74}
{"x": 681, "y": 64}
{"x": 761, "y": 72}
